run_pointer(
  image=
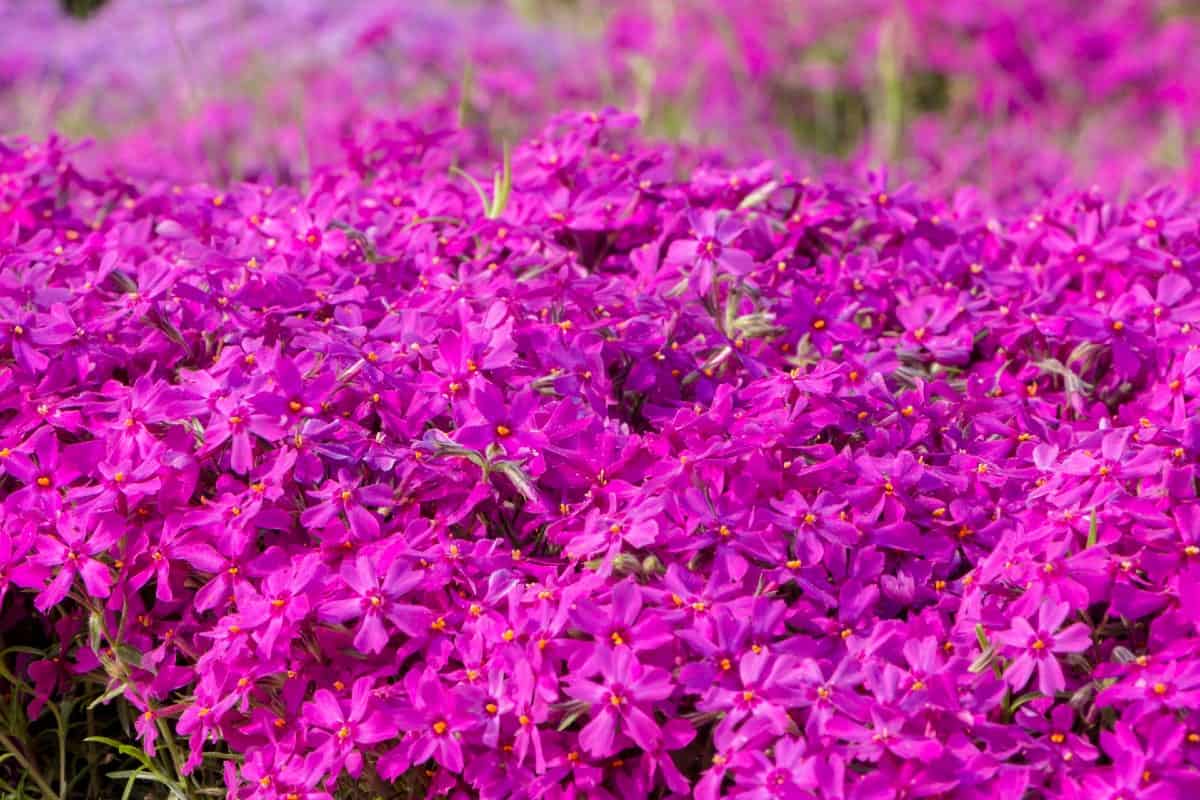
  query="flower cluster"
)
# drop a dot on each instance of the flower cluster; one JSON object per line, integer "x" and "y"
{"x": 1011, "y": 96}
{"x": 593, "y": 480}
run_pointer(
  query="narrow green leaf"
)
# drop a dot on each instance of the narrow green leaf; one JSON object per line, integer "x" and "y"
{"x": 95, "y": 631}
{"x": 1123, "y": 655}
{"x": 108, "y": 696}
{"x": 984, "y": 661}
{"x": 501, "y": 187}
{"x": 651, "y": 565}
{"x": 981, "y": 636}
{"x": 568, "y": 720}
{"x": 1022, "y": 700}
{"x": 1093, "y": 529}
{"x": 483, "y": 198}
{"x": 464, "y": 98}
{"x": 135, "y": 753}
{"x": 626, "y": 564}
{"x": 153, "y": 777}
{"x": 518, "y": 478}
{"x": 758, "y": 196}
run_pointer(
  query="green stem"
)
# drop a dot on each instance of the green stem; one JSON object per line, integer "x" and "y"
{"x": 30, "y": 769}
{"x": 93, "y": 762}
{"x": 169, "y": 740}
{"x": 62, "y": 748}
{"x": 122, "y": 674}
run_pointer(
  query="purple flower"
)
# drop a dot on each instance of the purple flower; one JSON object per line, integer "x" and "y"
{"x": 343, "y": 732}
{"x": 1037, "y": 648}
{"x": 709, "y": 251}
{"x": 434, "y": 723}
{"x": 374, "y": 599}
{"x": 73, "y": 552}
{"x": 621, "y": 702}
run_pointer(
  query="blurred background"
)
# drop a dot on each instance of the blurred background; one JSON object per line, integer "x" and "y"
{"x": 1011, "y": 96}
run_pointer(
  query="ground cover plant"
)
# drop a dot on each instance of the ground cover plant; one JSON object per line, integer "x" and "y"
{"x": 479, "y": 448}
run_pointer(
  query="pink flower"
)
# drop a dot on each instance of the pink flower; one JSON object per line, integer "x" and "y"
{"x": 1037, "y": 647}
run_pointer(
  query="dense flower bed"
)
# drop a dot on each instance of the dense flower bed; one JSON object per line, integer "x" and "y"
{"x": 1013, "y": 96}
{"x": 346, "y": 454}
{"x": 597, "y": 481}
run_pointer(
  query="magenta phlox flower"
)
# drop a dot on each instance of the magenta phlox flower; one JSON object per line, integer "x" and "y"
{"x": 345, "y": 728}
{"x": 374, "y": 591}
{"x": 621, "y": 702}
{"x": 710, "y": 249}
{"x": 75, "y": 550}
{"x": 434, "y": 721}
{"x": 1037, "y": 648}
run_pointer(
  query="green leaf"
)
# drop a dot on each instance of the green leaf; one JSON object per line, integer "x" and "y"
{"x": 1093, "y": 529}
{"x": 483, "y": 199}
{"x": 758, "y": 196}
{"x": 568, "y": 720}
{"x": 1022, "y": 700}
{"x": 464, "y": 98}
{"x": 132, "y": 775}
{"x": 125, "y": 283}
{"x": 1123, "y": 655}
{"x": 518, "y": 478}
{"x": 160, "y": 321}
{"x": 135, "y": 753}
{"x": 430, "y": 220}
{"x": 95, "y": 631}
{"x": 626, "y": 564}
{"x": 501, "y": 187}
{"x": 982, "y": 636}
{"x": 651, "y": 565}
{"x": 108, "y": 696}
{"x": 984, "y": 661}
{"x": 130, "y": 656}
